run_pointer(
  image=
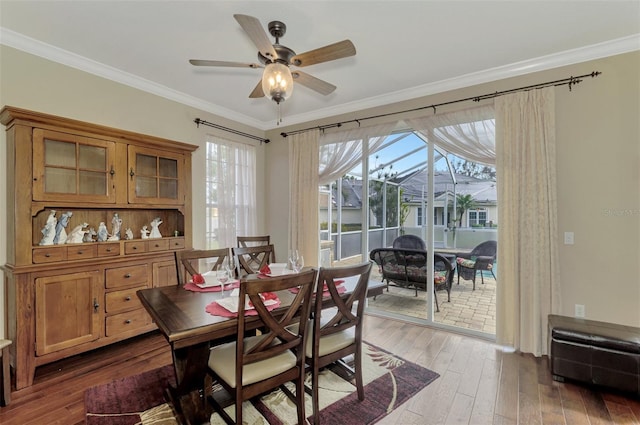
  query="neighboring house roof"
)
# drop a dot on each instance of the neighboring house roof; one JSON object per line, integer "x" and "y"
{"x": 483, "y": 191}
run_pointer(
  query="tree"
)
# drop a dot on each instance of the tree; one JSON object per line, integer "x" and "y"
{"x": 472, "y": 169}
{"x": 404, "y": 210}
{"x": 464, "y": 203}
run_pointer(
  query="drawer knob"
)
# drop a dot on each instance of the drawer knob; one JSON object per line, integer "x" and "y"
{"x": 127, "y": 299}
{"x": 157, "y": 246}
{"x": 127, "y": 276}
{"x": 47, "y": 255}
{"x": 135, "y": 247}
{"x": 79, "y": 252}
{"x": 108, "y": 249}
{"x": 127, "y": 321}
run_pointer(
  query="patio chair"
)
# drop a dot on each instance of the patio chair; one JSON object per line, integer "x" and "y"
{"x": 408, "y": 268}
{"x": 409, "y": 242}
{"x": 481, "y": 258}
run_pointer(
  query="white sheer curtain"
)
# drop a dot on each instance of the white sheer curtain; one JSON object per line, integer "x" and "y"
{"x": 231, "y": 191}
{"x": 340, "y": 151}
{"x": 527, "y": 207}
{"x": 303, "y": 201}
{"x": 469, "y": 133}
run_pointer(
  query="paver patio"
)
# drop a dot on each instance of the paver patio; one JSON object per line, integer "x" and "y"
{"x": 468, "y": 309}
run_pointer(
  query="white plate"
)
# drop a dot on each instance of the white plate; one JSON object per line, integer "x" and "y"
{"x": 231, "y": 303}
{"x": 284, "y": 272}
{"x": 214, "y": 284}
{"x": 278, "y": 269}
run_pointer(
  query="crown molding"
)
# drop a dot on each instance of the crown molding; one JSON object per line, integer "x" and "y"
{"x": 569, "y": 57}
{"x": 35, "y": 47}
{"x": 543, "y": 63}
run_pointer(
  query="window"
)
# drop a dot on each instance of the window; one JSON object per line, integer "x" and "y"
{"x": 477, "y": 217}
{"x": 419, "y": 216}
{"x": 230, "y": 192}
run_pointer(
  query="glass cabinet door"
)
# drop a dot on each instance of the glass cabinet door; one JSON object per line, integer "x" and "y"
{"x": 154, "y": 177}
{"x": 72, "y": 168}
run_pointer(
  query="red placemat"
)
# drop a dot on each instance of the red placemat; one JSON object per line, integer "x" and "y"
{"x": 190, "y": 286}
{"x": 217, "y": 310}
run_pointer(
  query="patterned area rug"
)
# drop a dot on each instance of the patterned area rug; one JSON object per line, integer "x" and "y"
{"x": 389, "y": 380}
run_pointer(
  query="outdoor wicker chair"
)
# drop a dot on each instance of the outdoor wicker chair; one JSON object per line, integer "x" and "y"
{"x": 479, "y": 259}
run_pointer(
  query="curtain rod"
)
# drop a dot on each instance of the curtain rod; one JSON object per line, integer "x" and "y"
{"x": 198, "y": 121}
{"x": 571, "y": 81}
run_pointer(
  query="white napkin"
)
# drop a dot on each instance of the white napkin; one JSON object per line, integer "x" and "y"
{"x": 231, "y": 303}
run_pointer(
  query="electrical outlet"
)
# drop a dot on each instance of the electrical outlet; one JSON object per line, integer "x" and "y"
{"x": 579, "y": 310}
{"x": 568, "y": 238}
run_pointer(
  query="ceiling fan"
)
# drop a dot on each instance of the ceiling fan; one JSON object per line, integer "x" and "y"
{"x": 277, "y": 80}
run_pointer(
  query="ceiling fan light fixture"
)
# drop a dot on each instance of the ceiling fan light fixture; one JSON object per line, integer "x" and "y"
{"x": 277, "y": 82}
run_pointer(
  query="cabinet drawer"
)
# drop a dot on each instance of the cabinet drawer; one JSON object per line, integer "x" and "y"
{"x": 119, "y": 301}
{"x": 79, "y": 252}
{"x": 158, "y": 245}
{"x": 108, "y": 249}
{"x": 49, "y": 254}
{"x": 135, "y": 247}
{"x": 137, "y": 275}
{"x": 176, "y": 243}
{"x": 130, "y": 321}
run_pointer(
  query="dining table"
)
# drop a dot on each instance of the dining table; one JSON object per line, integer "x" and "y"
{"x": 181, "y": 316}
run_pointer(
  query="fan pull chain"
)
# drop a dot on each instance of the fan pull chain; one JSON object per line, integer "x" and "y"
{"x": 279, "y": 119}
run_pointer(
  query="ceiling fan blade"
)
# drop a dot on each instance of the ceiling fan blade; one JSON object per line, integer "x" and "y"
{"x": 203, "y": 62}
{"x": 257, "y": 91}
{"x": 257, "y": 34}
{"x": 312, "y": 82}
{"x": 341, "y": 49}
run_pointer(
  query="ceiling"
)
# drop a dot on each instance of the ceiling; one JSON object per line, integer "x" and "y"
{"x": 405, "y": 49}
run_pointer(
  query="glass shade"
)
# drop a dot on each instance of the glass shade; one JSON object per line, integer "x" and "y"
{"x": 277, "y": 82}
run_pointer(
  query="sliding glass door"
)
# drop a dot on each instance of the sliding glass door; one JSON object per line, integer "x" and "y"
{"x": 411, "y": 188}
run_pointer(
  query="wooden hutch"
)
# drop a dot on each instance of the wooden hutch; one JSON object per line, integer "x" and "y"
{"x": 66, "y": 299}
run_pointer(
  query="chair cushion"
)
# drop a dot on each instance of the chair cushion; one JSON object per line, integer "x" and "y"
{"x": 465, "y": 262}
{"x": 222, "y": 360}
{"x": 439, "y": 277}
{"x": 332, "y": 343}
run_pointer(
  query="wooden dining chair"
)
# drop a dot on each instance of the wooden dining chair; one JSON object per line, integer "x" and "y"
{"x": 257, "y": 364}
{"x": 251, "y": 259}
{"x": 245, "y": 241}
{"x": 197, "y": 261}
{"x": 337, "y": 331}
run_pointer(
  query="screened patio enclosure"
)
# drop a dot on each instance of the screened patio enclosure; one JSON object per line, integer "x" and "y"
{"x": 362, "y": 211}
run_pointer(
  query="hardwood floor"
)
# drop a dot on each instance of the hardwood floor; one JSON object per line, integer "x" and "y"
{"x": 478, "y": 384}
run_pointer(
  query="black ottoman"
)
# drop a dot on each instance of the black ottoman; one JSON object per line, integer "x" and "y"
{"x": 594, "y": 352}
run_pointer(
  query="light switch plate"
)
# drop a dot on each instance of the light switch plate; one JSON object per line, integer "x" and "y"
{"x": 568, "y": 238}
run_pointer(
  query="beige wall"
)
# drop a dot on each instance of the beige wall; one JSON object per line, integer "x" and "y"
{"x": 598, "y": 158}
{"x": 29, "y": 82}
{"x": 598, "y": 161}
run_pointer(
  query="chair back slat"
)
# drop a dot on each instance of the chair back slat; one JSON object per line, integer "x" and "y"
{"x": 198, "y": 261}
{"x": 245, "y": 241}
{"x": 344, "y": 316}
{"x": 276, "y": 338}
{"x": 250, "y": 259}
